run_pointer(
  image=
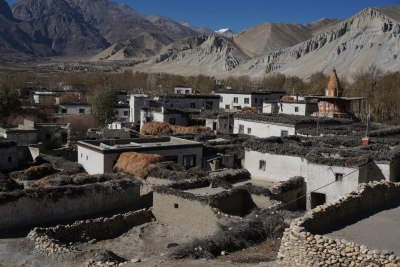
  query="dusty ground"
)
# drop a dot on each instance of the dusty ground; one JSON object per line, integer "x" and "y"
{"x": 147, "y": 242}
{"x": 380, "y": 230}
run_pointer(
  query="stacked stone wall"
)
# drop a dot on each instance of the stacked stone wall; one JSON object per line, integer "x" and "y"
{"x": 304, "y": 243}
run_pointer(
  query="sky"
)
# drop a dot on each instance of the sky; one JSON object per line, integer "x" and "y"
{"x": 241, "y": 14}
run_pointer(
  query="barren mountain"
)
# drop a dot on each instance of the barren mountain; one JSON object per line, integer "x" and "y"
{"x": 143, "y": 46}
{"x": 16, "y": 43}
{"x": 369, "y": 37}
{"x": 268, "y": 37}
{"x": 201, "y": 30}
{"x": 208, "y": 55}
{"x": 79, "y": 27}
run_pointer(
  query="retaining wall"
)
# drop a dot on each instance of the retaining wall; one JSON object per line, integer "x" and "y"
{"x": 34, "y": 207}
{"x": 303, "y": 243}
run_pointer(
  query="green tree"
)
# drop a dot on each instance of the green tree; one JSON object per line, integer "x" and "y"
{"x": 103, "y": 102}
{"x": 9, "y": 102}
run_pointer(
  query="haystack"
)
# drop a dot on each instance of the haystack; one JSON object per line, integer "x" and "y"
{"x": 155, "y": 128}
{"x": 136, "y": 164}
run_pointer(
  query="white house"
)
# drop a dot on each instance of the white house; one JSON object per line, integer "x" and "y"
{"x": 74, "y": 108}
{"x": 238, "y": 100}
{"x": 8, "y": 155}
{"x": 98, "y": 157}
{"x": 300, "y": 108}
{"x": 329, "y": 173}
{"x": 171, "y": 116}
{"x": 273, "y": 125}
{"x": 183, "y": 90}
{"x": 189, "y": 101}
{"x": 136, "y": 103}
{"x": 122, "y": 112}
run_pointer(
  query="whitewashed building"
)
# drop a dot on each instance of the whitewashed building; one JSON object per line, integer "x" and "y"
{"x": 122, "y": 112}
{"x": 98, "y": 157}
{"x": 183, "y": 90}
{"x": 237, "y": 100}
{"x": 329, "y": 173}
{"x": 74, "y": 108}
{"x": 171, "y": 116}
{"x": 299, "y": 108}
{"x": 136, "y": 103}
{"x": 189, "y": 101}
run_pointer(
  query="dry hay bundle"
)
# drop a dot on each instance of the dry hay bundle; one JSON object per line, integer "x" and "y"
{"x": 249, "y": 110}
{"x": 156, "y": 127}
{"x": 136, "y": 164}
{"x": 37, "y": 172}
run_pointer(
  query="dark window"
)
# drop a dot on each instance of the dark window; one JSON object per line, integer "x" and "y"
{"x": 248, "y": 130}
{"x": 48, "y": 136}
{"x": 126, "y": 113}
{"x": 81, "y": 155}
{"x": 176, "y": 206}
{"x": 81, "y": 110}
{"x": 209, "y": 105}
{"x": 64, "y": 110}
{"x": 317, "y": 199}
{"x": 171, "y": 158}
{"x": 246, "y": 100}
{"x": 189, "y": 161}
{"x": 296, "y": 109}
{"x": 187, "y": 91}
{"x": 235, "y": 100}
{"x": 221, "y": 99}
{"x": 192, "y": 105}
{"x": 241, "y": 129}
{"x": 262, "y": 164}
{"x": 338, "y": 177}
{"x": 227, "y": 107}
{"x": 172, "y": 105}
{"x": 284, "y": 133}
{"x": 9, "y": 159}
{"x": 214, "y": 126}
{"x": 172, "y": 121}
{"x": 255, "y": 100}
{"x": 87, "y": 157}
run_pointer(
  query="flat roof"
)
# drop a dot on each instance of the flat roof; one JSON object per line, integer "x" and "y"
{"x": 289, "y": 119}
{"x": 379, "y": 231}
{"x": 137, "y": 144}
{"x": 334, "y": 97}
{"x": 236, "y": 92}
{"x": 190, "y": 96}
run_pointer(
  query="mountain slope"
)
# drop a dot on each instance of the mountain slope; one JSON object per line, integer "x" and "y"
{"x": 16, "y": 42}
{"x": 60, "y": 26}
{"x": 206, "y": 55}
{"x": 79, "y": 27}
{"x": 143, "y": 46}
{"x": 367, "y": 38}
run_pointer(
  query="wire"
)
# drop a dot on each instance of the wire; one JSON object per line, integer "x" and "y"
{"x": 326, "y": 185}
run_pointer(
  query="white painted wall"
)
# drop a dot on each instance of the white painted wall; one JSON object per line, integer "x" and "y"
{"x": 136, "y": 103}
{"x": 262, "y": 129}
{"x": 122, "y": 113}
{"x": 75, "y": 109}
{"x": 278, "y": 167}
{"x": 99, "y": 163}
{"x": 287, "y": 108}
{"x": 183, "y": 90}
{"x": 180, "y": 119}
{"x": 321, "y": 175}
{"x": 255, "y": 100}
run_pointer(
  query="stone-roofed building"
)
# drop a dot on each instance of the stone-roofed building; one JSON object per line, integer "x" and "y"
{"x": 340, "y": 162}
{"x": 234, "y": 100}
{"x": 100, "y": 156}
{"x": 270, "y": 125}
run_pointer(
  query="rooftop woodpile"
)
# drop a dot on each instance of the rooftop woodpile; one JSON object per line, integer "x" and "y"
{"x": 136, "y": 164}
{"x": 155, "y": 128}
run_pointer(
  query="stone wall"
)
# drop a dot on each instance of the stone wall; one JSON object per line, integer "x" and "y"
{"x": 304, "y": 243}
{"x": 63, "y": 237}
{"x": 34, "y": 207}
